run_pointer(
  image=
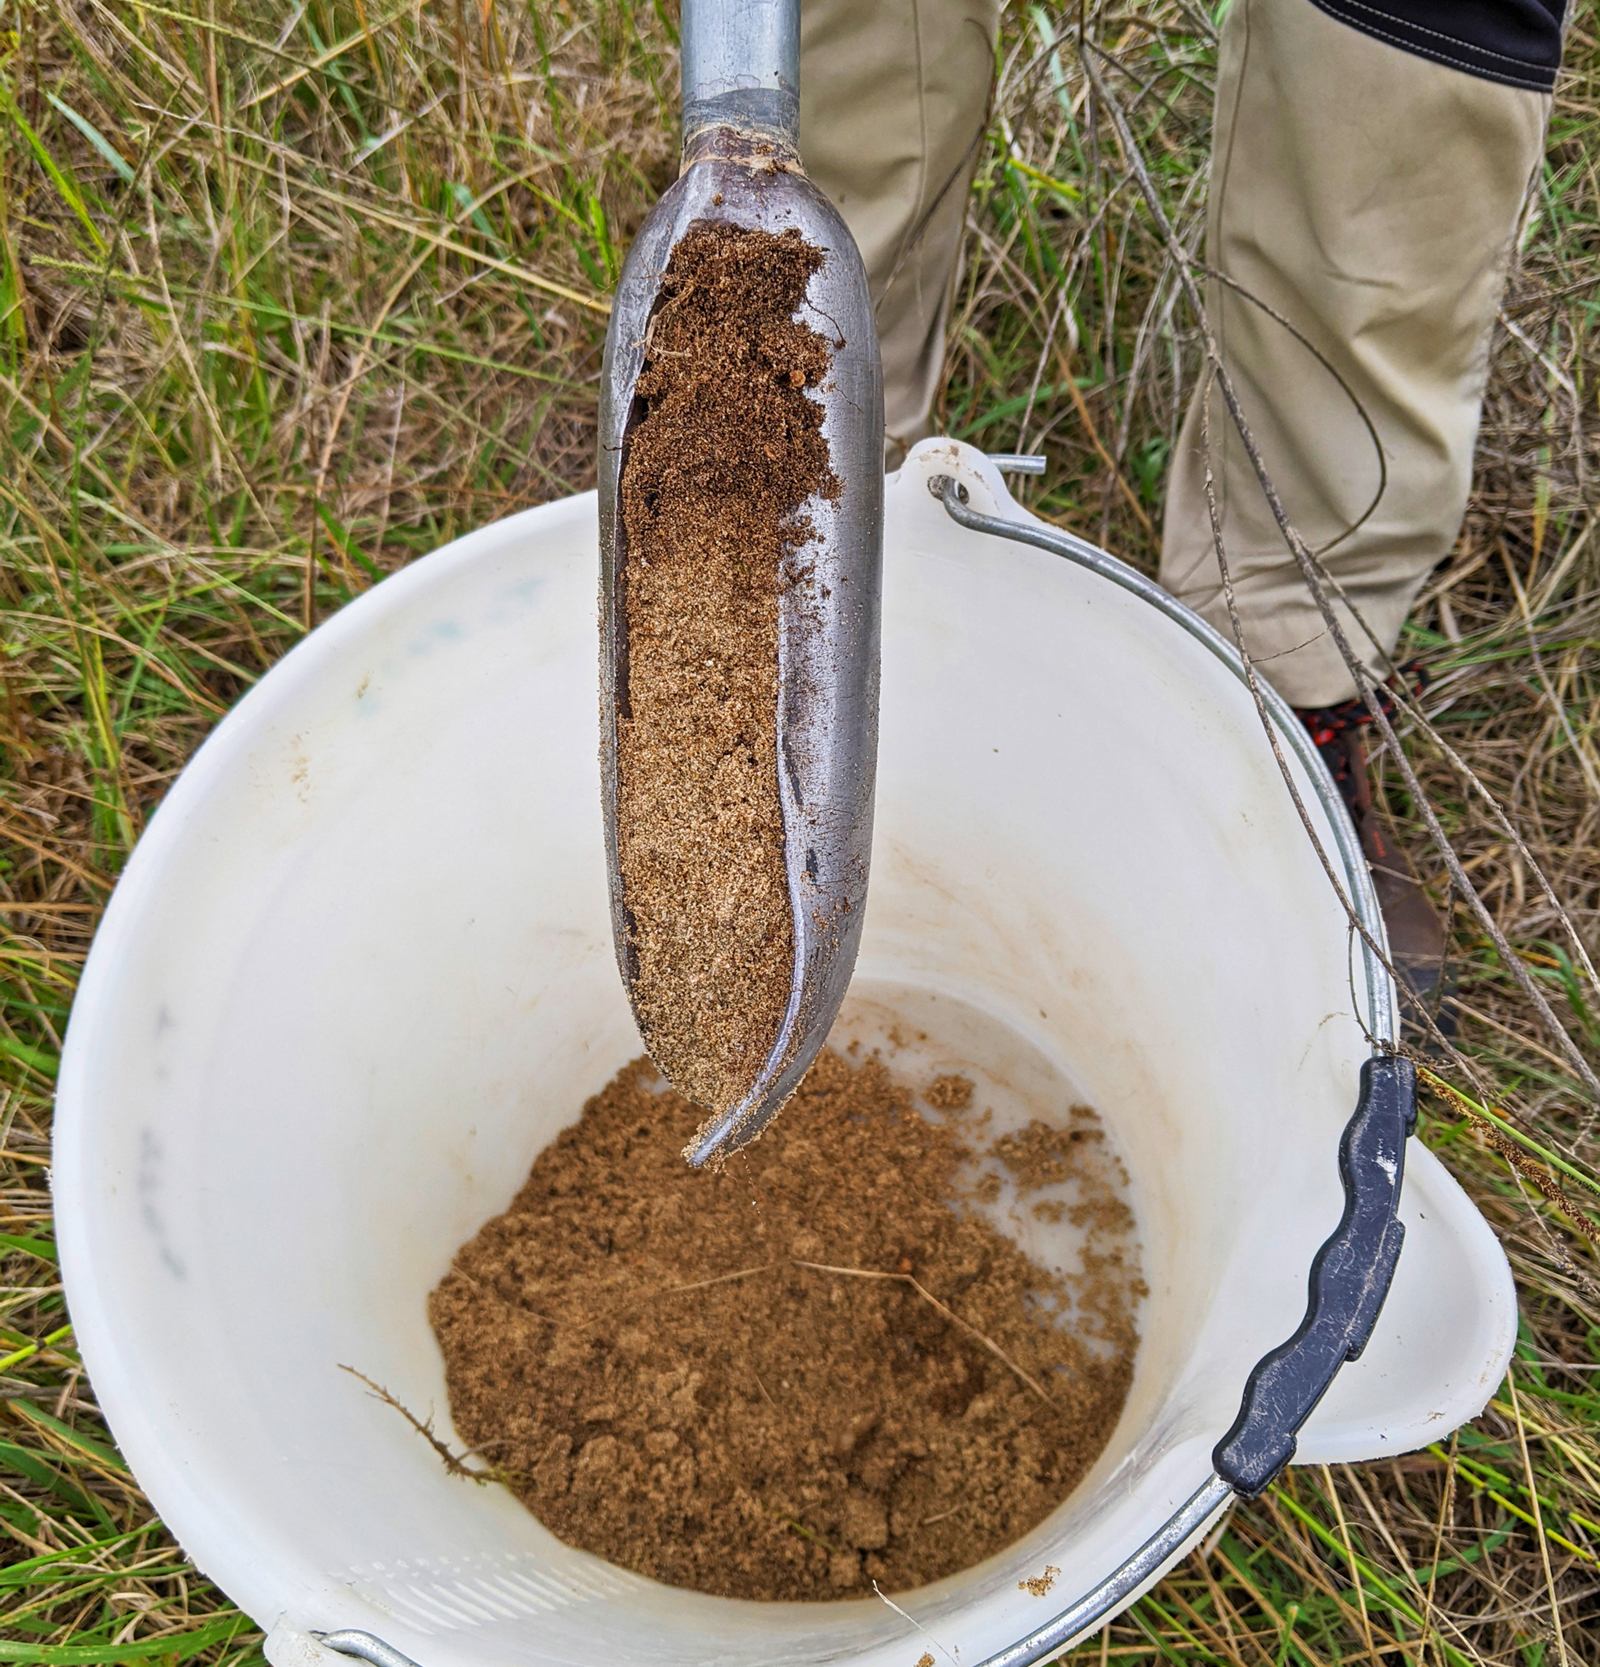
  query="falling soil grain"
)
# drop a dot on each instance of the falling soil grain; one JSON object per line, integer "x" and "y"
{"x": 816, "y": 1368}
{"x": 717, "y": 472}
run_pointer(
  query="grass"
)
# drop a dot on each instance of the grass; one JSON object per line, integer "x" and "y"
{"x": 291, "y": 295}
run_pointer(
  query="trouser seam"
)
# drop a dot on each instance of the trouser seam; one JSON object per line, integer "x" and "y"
{"x": 1220, "y": 187}
{"x": 922, "y": 148}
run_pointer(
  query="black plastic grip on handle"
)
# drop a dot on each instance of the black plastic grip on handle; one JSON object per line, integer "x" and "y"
{"x": 1350, "y": 1277}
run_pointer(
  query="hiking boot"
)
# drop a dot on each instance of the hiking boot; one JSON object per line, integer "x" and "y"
{"x": 1417, "y": 937}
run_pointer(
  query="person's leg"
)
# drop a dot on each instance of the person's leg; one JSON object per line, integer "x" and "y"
{"x": 1369, "y": 168}
{"x": 894, "y": 95}
{"x": 1370, "y": 163}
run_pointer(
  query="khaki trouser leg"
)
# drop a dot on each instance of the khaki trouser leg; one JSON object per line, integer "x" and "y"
{"x": 1371, "y": 197}
{"x": 894, "y": 95}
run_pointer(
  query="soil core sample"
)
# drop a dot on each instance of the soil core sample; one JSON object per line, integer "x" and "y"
{"x": 716, "y": 473}
{"x": 821, "y": 1366}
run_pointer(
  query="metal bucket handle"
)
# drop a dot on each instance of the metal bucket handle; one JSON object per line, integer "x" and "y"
{"x": 1351, "y": 1273}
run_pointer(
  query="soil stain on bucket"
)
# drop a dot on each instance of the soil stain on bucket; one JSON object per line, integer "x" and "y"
{"x": 821, "y": 1366}
{"x": 718, "y": 468}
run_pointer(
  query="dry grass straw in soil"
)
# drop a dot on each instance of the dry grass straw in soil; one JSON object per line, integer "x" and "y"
{"x": 290, "y": 296}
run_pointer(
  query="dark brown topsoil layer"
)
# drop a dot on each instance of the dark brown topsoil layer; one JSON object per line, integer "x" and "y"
{"x": 715, "y": 477}
{"x": 671, "y": 1370}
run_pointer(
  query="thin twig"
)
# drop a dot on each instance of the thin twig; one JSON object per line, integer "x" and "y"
{"x": 917, "y": 1624}
{"x": 1538, "y": 1515}
{"x": 1070, "y": 382}
{"x": 922, "y": 1290}
{"x": 453, "y": 1461}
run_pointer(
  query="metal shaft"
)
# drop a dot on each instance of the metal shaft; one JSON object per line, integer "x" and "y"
{"x": 741, "y": 68}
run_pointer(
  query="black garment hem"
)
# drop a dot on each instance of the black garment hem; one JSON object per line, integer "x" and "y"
{"x": 1514, "y": 42}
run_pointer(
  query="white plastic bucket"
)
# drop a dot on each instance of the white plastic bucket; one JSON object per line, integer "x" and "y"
{"x": 359, "y": 972}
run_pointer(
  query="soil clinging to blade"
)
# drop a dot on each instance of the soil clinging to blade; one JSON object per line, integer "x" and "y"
{"x": 716, "y": 475}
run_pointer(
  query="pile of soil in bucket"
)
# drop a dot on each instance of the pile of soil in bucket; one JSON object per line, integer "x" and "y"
{"x": 819, "y": 1367}
{"x": 714, "y": 480}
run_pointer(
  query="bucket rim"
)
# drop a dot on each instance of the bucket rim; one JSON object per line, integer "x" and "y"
{"x": 1211, "y": 1492}
{"x": 941, "y": 463}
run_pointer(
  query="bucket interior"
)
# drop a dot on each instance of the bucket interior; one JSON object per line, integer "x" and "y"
{"x": 360, "y": 973}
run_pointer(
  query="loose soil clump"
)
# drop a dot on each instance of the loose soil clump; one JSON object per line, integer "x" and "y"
{"x": 814, "y": 1369}
{"x": 714, "y": 481}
